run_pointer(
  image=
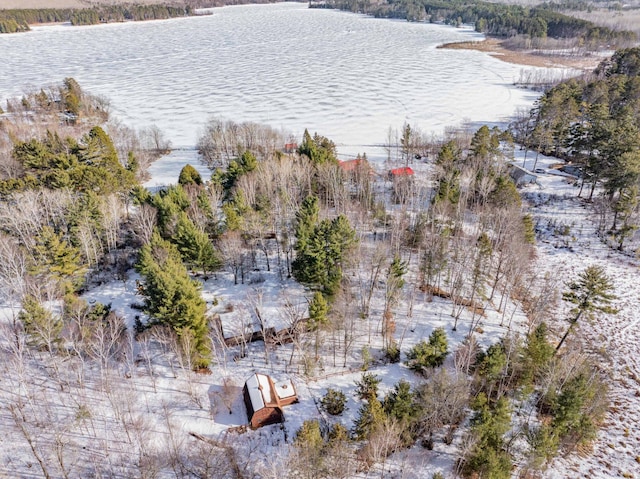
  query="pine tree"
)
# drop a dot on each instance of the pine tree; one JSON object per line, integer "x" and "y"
{"x": 54, "y": 258}
{"x": 333, "y": 402}
{"x": 42, "y": 326}
{"x": 309, "y": 445}
{"x": 399, "y": 403}
{"x": 529, "y": 230}
{"x": 590, "y": 293}
{"x": 370, "y": 416}
{"x": 306, "y": 221}
{"x": 430, "y": 354}
{"x": 318, "y": 309}
{"x": 538, "y": 352}
{"x": 367, "y": 386}
{"x": 173, "y": 298}
{"x": 189, "y": 176}
{"x": 318, "y": 149}
{"x": 194, "y": 245}
{"x": 485, "y": 143}
{"x": 320, "y": 247}
{"x": 100, "y": 169}
{"x": 489, "y": 424}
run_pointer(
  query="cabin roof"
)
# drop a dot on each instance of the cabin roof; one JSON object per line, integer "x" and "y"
{"x": 263, "y": 392}
{"x": 351, "y": 165}
{"x": 259, "y": 389}
{"x": 404, "y": 171}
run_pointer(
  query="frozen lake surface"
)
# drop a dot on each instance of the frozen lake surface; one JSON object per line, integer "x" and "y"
{"x": 346, "y": 76}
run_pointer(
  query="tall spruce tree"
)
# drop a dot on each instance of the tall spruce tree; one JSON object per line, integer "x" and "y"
{"x": 173, "y": 298}
{"x": 194, "y": 245}
{"x": 320, "y": 248}
{"x": 189, "y": 176}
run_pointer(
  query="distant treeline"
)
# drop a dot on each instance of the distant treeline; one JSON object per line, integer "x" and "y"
{"x": 490, "y": 18}
{"x": 18, "y": 20}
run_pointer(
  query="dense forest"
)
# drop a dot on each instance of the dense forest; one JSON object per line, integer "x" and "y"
{"x": 499, "y": 19}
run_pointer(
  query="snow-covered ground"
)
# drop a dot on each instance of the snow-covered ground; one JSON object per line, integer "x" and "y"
{"x": 108, "y": 415}
{"x": 614, "y": 339}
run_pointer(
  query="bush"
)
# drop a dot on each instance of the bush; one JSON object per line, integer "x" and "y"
{"x": 333, "y": 402}
{"x": 392, "y": 353}
{"x": 429, "y": 354}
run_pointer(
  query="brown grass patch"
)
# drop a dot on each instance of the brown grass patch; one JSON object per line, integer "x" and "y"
{"x": 495, "y": 47}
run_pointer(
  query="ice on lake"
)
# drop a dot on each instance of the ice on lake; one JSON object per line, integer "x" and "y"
{"x": 347, "y": 76}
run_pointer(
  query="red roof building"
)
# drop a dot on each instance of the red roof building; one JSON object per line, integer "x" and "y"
{"x": 290, "y": 147}
{"x": 404, "y": 171}
{"x": 349, "y": 166}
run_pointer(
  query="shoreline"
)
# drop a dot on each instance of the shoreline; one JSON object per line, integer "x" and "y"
{"x": 495, "y": 48}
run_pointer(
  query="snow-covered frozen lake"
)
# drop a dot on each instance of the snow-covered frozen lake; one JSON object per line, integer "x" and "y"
{"x": 346, "y": 76}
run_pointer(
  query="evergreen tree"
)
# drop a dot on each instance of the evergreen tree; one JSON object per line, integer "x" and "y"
{"x": 318, "y": 309}
{"x": 367, "y": 386}
{"x": 72, "y": 96}
{"x": 333, "y": 402}
{"x": 194, "y": 245}
{"x": 189, "y": 176}
{"x": 309, "y": 435}
{"x": 590, "y": 293}
{"x": 320, "y": 247}
{"x": 489, "y": 424}
{"x": 400, "y": 405}
{"x": 490, "y": 367}
{"x": 529, "y": 230}
{"x": 578, "y": 408}
{"x": 306, "y": 221}
{"x": 370, "y": 415}
{"x": 100, "y": 169}
{"x": 54, "y": 258}
{"x": 173, "y": 298}
{"x": 42, "y": 326}
{"x": 624, "y": 209}
{"x": 309, "y": 445}
{"x": 485, "y": 143}
{"x": 430, "y": 354}
{"x": 318, "y": 149}
{"x": 538, "y": 352}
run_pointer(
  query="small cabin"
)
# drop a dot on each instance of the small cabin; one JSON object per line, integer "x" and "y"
{"x": 264, "y": 399}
